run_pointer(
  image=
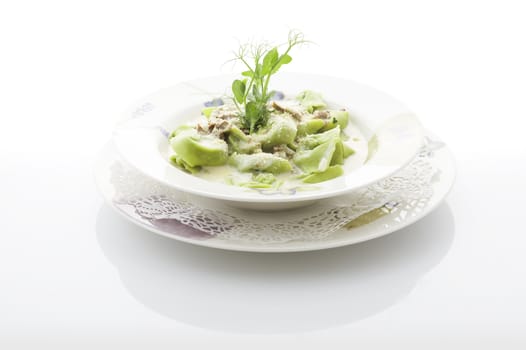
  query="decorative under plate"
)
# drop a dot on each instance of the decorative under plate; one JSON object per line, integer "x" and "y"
{"x": 370, "y": 212}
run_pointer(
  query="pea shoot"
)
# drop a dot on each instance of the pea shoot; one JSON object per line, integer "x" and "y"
{"x": 252, "y": 94}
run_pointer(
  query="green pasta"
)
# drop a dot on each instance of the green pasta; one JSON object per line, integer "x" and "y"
{"x": 301, "y": 139}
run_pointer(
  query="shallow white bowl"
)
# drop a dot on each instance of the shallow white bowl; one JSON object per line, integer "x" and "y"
{"x": 393, "y": 131}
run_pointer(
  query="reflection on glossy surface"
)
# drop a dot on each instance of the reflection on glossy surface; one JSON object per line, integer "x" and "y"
{"x": 272, "y": 293}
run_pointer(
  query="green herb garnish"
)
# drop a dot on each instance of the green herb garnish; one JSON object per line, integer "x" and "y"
{"x": 251, "y": 94}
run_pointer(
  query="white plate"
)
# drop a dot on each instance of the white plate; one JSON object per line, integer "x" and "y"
{"x": 398, "y": 218}
{"x": 142, "y": 141}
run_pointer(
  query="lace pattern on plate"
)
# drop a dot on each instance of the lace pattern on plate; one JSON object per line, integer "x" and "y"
{"x": 405, "y": 193}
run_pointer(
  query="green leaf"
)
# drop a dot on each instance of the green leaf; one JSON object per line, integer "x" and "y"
{"x": 238, "y": 88}
{"x": 257, "y": 71}
{"x": 270, "y": 59}
{"x": 284, "y": 59}
{"x": 255, "y": 92}
{"x": 247, "y": 74}
{"x": 252, "y": 114}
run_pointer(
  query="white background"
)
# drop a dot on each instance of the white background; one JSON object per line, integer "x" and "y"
{"x": 72, "y": 273}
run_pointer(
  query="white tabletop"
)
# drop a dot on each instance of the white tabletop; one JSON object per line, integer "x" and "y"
{"x": 74, "y": 274}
